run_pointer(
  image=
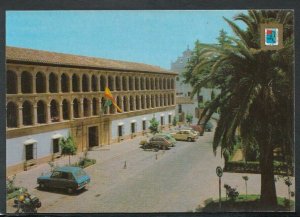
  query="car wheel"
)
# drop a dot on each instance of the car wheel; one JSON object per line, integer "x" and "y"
{"x": 42, "y": 186}
{"x": 189, "y": 139}
{"x": 70, "y": 190}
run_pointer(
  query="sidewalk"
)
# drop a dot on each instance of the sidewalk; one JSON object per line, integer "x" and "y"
{"x": 28, "y": 178}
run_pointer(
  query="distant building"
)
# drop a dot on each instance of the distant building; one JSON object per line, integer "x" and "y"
{"x": 50, "y": 95}
{"x": 184, "y": 103}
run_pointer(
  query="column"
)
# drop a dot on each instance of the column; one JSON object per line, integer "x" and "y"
{"x": 101, "y": 111}
{"x": 20, "y": 119}
{"x": 34, "y": 115}
{"x": 133, "y": 83}
{"x": 81, "y": 110}
{"x": 91, "y": 111}
{"x": 127, "y": 83}
{"x": 34, "y": 82}
{"x": 122, "y": 106}
{"x": 59, "y": 82}
{"x": 70, "y": 82}
{"x": 71, "y": 110}
{"x": 48, "y": 113}
{"x": 19, "y": 82}
{"x": 133, "y": 102}
{"x": 47, "y": 81}
{"x": 80, "y": 83}
{"x": 61, "y": 118}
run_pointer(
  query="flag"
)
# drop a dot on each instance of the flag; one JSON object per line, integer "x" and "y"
{"x": 111, "y": 99}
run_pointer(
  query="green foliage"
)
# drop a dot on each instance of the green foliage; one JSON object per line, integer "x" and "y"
{"x": 143, "y": 142}
{"x": 256, "y": 89}
{"x": 68, "y": 146}
{"x": 174, "y": 122}
{"x": 189, "y": 118}
{"x": 213, "y": 95}
{"x": 154, "y": 126}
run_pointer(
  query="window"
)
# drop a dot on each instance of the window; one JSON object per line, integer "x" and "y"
{"x": 162, "y": 120}
{"x": 55, "y": 145}
{"x": 56, "y": 174}
{"x": 144, "y": 125}
{"x": 133, "y": 126}
{"x": 30, "y": 151}
{"x": 170, "y": 119}
{"x": 189, "y": 93}
{"x": 120, "y": 130}
{"x": 179, "y": 108}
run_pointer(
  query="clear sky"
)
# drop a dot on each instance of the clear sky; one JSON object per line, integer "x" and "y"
{"x": 152, "y": 37}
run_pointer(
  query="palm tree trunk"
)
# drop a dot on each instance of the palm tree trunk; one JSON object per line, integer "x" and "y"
{"x": 268, "y": 191}
{"x": 69, "y": 159}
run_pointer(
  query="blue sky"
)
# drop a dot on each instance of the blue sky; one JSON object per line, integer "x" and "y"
{"x": 152, "y": 37}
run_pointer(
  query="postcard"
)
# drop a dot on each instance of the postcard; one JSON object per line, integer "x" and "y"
{"x": 150, "y": 111}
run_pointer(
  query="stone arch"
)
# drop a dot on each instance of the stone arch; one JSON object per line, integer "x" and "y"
{"x": 40, "y": 80}
{"x": 131, "y": 103}
{"x": 103, "y": 108}
{"x": 125, "y": 103}
{"x": 102, "y": 82}
{"x": 27, "y": 113}
{"x": 142, "y": 80}
{"x": 143, "y": 102}
{"x": 147, "y": 84}
{"x": 95, "y": 105}
{"x": 66, "y": 109}
{"x": 41, "y": 112}
{"x": 12, "y": 116}
{"x": 54, "y": 111}
{"x": 118, "y": 83}
{"x": 111, "y": 82}
{"x": 119, "y": 102}
{"x": 148, "y": 101}
{"x": 11, "y": 82}
{"x": 157, "y": 101}
{"x": 53, "y": 83}
{"x": 76, "y": 108}
{"x": 65, "y": 83}
{"x": 75, "y": 83}
{"x": 137, "y": 103}
{"x": 94, "y": 81}
{"x": 152, "y": 102}
{"x": 160, "y": 84}
{"x": 131, "y": 87}
{"x": 137, "y": 83}
{"x": 26, "y": 82}
{"x": 124, "y": 83}
{"x": 85, "y": 83}
{"x": 161, "y": 100}
{"x": 86, "y": 107}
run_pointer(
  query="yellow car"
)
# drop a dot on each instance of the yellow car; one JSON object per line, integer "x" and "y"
{"x": 186, "y": 135}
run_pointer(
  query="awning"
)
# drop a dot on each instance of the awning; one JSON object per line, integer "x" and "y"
{"x": 29, "y": 141}
{"x": 57, "y": 136}
{"x": 133, "y": 121}
{"x": 120, "y": 124}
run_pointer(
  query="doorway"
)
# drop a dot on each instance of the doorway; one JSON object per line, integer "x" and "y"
{"x": 93, "y": 136}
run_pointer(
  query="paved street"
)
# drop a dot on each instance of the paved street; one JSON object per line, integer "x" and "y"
{"x": 178, "y": 181}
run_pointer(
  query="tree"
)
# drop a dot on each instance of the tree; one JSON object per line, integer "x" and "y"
{"x": 189, "y": 118}
{"x": 174, "y": 123}
{"x": 68, "y": 147}
{"x": 256, "y": 92}
{"x": 154, "y": 126}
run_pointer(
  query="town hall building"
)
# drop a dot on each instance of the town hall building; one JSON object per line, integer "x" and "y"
{"x": 51, "y": 95}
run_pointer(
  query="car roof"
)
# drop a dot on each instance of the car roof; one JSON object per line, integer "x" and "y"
{"x": 68, "y": 169}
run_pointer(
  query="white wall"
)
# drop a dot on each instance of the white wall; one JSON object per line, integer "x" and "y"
{"x": 15, "y": 148}
{"x": 139, "y": 119}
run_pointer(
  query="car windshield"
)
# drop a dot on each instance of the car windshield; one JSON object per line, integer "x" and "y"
{"x": 79, "y": 173}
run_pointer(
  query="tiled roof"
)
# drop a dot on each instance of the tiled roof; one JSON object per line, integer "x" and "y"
{"x": 46, "y": 57}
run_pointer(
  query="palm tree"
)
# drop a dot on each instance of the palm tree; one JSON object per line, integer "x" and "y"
{"x": 256, "y": 92}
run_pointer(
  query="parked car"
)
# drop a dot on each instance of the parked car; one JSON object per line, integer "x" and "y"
{"x": 187, "y": 135}
{"x": 168, "y": 137}
{"x": 158, "y": 142}
{"x": 68, "y": 177}
{"x": 208, "y": 127}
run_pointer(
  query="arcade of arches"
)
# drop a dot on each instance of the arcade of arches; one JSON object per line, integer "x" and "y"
{"x": 37, "y": 95}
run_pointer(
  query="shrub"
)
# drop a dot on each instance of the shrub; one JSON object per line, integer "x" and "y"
{"x": 231, "y": 193}
{"x": 143, "y": 142}
{"x": 189, "y": 118}
{"x": 154, "y": 126}
{"x": 68, "y": 146}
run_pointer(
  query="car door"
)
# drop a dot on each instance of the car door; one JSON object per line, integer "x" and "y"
{"x": 55, "y": 179}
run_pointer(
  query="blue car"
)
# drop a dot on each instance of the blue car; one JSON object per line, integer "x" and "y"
{"x": 69, "y": 178}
